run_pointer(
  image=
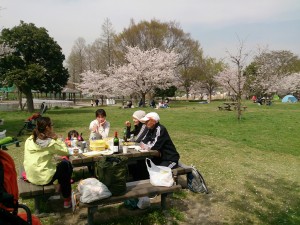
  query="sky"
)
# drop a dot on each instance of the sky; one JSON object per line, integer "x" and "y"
{"x": 218, "y": 25}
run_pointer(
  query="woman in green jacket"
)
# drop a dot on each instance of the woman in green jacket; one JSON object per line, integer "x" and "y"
{"x": 39, "y": 164}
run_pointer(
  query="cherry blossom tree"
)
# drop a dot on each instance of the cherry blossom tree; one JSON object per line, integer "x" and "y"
{"x": 287, "y": 85}
{"x": 271, "y": 67}
{"x": 95, "y": 84}
{"x": 145, "y": 71}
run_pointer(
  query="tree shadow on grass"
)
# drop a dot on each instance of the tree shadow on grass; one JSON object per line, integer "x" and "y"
{"x": 268, "y": 201}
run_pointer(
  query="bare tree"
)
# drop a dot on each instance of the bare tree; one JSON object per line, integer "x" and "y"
{"x": 107, "y": 41}
{"x": 77, "y": 61}
{"x": 233, "y": 79}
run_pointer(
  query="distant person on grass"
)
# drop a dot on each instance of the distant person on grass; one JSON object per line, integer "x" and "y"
{"x": 40, "y": 167}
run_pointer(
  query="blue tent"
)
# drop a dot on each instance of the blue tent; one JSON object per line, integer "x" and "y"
{"x": 289, "y": 98}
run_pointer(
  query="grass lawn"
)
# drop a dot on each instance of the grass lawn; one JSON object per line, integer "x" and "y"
{"x": 252, "y": 166}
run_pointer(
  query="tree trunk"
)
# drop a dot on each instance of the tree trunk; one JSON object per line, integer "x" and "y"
{"x": 102, "y": 100}
{"x": 29, "y": 99}
{"x": 20, "y": 99}
{"x": 144, "y": 99}
{"x": 239, "y": 102}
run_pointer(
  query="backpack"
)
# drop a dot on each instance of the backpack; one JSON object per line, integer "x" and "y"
{"x": 113, "y": 172}
{"x": 195, "y": 181}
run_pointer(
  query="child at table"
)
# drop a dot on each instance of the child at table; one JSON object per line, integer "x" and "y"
{"x": 73, "y": 134}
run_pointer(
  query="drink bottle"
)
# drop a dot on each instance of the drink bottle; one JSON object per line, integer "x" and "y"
{"x": 125, "y": 134}
{"x": 116, "y": 143}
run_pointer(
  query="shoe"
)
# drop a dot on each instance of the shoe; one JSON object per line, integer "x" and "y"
{"x": 67, "y": 203}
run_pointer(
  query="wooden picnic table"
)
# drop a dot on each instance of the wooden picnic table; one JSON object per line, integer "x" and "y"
{"x": 228, "y": 105}
{"x": 132, "y": 155}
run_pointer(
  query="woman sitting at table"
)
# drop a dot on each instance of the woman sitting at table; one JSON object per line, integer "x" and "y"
{"x": 140, "y": 129}
{"x": 100, "y": 126}
{"x": 40, "y": 167}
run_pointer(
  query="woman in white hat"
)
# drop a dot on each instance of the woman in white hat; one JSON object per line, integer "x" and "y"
{"x": 139, "y": 128}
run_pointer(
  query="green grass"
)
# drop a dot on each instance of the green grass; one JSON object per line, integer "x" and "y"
{"x": 251, "y": 166}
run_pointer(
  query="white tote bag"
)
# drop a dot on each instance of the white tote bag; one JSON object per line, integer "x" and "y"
{"x": 159, "y": 175}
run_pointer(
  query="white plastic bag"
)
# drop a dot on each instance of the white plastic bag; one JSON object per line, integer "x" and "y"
{"x": 92, "y": 189}
{"x": 159, "y": 175}
{"x": 143, "y": 203}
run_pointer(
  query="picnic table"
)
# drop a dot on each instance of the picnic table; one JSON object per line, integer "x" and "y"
{"x": 132, "y": 155}
{"x": 229, "y": 106}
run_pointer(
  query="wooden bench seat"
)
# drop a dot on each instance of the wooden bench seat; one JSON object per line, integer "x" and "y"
{"x": 177, "y": 172}
{"x": 135, "y": 189}
{"x": 28, "y": 191}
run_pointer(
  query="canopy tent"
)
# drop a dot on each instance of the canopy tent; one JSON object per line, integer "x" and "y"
{"x": 289, "y": 98}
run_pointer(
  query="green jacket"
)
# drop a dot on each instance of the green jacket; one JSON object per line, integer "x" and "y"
{"x": 39, "y": 163}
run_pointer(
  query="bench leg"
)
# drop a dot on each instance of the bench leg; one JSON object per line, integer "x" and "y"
{"x": 91, "y": 211}
{"x": 36, "y": 205}
{"x": 163, "y": 201}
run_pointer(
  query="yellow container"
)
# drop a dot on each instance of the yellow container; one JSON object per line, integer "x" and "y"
{"x": 98, "y": 145}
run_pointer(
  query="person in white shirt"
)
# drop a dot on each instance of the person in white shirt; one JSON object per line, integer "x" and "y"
{"x": 100, "y": 126}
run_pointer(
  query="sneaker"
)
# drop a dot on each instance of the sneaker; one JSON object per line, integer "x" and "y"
{"x": 67, "y": 203}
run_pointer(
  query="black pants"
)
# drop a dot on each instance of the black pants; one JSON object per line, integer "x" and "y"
{"x": 170, "y": 164}
{"x": 63, "y": 174}
{"x": 139, "y": 170}
{"x": 159, "y": 162}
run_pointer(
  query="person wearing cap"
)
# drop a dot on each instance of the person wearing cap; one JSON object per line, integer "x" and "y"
{"x": 158, "y": 138}
{"x": 139, "y": 128}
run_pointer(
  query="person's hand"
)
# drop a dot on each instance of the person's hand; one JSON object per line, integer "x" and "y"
{"x": 54, "y": 136}
{"x": 127, "y": 123}
{"x": 144, "y": 146}
{"x": 95, "y": 128}
{"x": 102, "y": 123}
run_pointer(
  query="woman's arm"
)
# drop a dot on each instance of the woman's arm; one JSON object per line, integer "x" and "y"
{"x": 104, "y": 130}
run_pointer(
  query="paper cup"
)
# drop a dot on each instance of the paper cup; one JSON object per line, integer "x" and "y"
{"x": 75, "y": 152}
{"x": 125, "y": 149}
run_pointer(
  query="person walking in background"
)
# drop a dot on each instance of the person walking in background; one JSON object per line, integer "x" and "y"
{"x": 152, "y": 104}
{"x": 100, "y": 126}
{"x": 158, "y": 138}
{"x": 141, "y": 103}
{"x": 97, "y": 102}
{"x": 40, "y": 167}
{"x": 92, "y": 102}
{"x": 139, "y": 128}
